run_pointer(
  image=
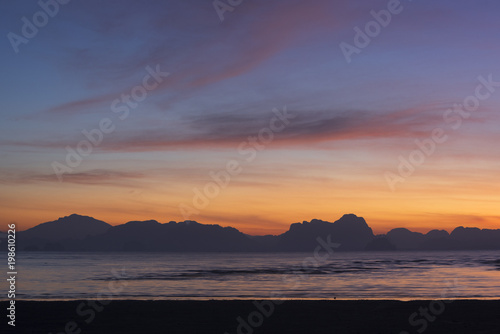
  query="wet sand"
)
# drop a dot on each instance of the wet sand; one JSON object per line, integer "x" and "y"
{"x": 142, "y": 317}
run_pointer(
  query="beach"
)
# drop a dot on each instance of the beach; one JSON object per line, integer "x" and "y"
{"x": 247, "y": 316}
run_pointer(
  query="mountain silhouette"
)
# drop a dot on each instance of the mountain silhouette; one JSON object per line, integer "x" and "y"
{"x": 461, "y": 238}
{"x": 83, "y": 233}
{"x": 350, "y": 231}
{"x": 380, "y": 243}
{"x": 51, "y": 235}
{"x": 184, "y": 236}
{"x": 403, "y": 238}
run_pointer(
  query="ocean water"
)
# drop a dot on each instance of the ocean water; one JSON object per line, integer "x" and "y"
{"x": 352, "y": 275}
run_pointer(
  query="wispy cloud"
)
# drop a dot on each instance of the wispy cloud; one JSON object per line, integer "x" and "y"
{"x": 91, "y": 177}
{"x": 227, "y": 130}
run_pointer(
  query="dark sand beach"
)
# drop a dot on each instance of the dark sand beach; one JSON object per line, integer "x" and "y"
{"x": 292, "y": 316}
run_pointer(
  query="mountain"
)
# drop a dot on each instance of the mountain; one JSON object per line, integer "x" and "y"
{"x": 380, "y": 243}
{"x": 184, "y": 236}
{"x": 474, "y": 238}
{"x": 74, "y": 226}
{"x": 50, "y": 235}
{"x": 405, "y": 239}
{"x": 462, "y": 238}
{"x": 82, "y": 233}
{"x": 350, "y": 231}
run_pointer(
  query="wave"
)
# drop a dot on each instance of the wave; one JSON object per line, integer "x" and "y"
{"x": 220, "y": 273}
{"x": 338, "y": 267}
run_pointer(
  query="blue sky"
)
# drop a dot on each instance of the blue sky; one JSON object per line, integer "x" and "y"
{"x": 352, "y": 120}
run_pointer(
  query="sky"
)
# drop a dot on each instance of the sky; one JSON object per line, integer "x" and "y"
{"x": 253, "y": 114}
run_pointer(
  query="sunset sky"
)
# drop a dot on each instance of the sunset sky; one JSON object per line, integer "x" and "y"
{"x": 348, "y": 126}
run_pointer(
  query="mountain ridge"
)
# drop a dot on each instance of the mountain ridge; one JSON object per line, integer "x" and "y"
{"x": 83, "y": 233}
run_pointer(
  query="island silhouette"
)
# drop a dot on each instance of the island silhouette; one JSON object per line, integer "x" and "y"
{"x": 82, "y": 233}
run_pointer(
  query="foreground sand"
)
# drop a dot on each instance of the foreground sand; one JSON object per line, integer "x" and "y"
{"x": 461, "y": 316}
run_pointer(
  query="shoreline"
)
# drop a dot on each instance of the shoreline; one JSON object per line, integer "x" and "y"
{"x": 255, "y": 316}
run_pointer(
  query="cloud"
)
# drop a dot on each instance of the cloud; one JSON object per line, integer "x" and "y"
{"x": 221, "y": 130}
{"x": 91, "y": 177}
{"x": 208, "y": 52}
{"x": 82, "y": 105}
{"x": 228, "y": 130}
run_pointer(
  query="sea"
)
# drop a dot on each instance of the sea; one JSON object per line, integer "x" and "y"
{"x": 204, "y": 276}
